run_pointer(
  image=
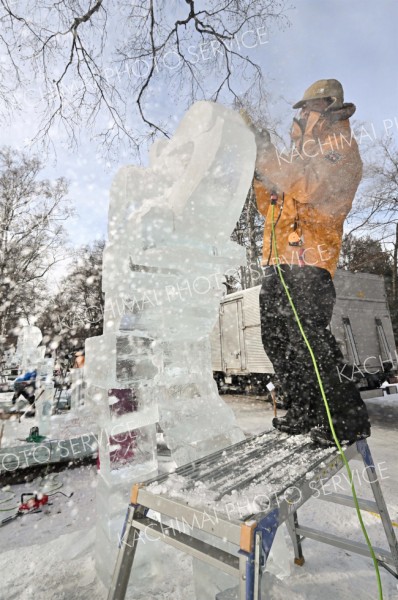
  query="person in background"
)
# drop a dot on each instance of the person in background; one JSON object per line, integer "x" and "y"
{"x": 25, "y": 386}
{"x": 79, "y": 359}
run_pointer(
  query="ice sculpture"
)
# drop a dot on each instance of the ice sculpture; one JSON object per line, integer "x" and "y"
{"x": 28, "y": 354}
{"x": 168, "y": 250}
{"x": 44, "y": 394}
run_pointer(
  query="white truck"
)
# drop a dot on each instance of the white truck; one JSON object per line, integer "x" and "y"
{"x": 361, "y": 323}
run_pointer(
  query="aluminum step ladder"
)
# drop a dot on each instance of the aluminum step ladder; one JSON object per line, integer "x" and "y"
{"x": 293, "y": 468}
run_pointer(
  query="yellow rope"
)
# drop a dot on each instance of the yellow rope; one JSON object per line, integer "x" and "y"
{"x": 393, "y": 523}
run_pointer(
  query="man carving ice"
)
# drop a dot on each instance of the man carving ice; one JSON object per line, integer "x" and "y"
{"x": 313, "y": 189}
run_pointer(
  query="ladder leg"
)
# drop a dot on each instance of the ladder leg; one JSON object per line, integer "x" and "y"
{"x": 242, "y": 577}
{"x": 364, "y": 450}
{"x": 125, "y": 557}
{"x": 259, "y": 562}
{"x": 292, "y": 524}
{"x": 264, "y": 535}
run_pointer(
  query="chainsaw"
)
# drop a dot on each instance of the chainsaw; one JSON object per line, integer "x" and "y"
{"x": 33, "y": 504}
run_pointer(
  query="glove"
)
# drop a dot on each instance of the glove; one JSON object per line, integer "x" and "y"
{"x": 246, "y": 117}
{"x": 262, "y": 136}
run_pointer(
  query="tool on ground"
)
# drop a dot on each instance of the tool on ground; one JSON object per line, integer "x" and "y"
{"x": 34, "y": 436}
{"x": 34, "y": 503}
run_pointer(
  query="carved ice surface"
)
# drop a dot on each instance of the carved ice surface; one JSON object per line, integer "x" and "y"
{"x": 28, "y": 354}
{"x": 168, "y": 250}
{"x": 278, "y": 562}
{"x": 44, "y": 394}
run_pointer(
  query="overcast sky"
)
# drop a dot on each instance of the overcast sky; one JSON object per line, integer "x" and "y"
{"x": 355, "y": 42}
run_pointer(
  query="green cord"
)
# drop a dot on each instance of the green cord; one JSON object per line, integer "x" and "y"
{"x": 347, "y": 466}
{"x": 5, "y": 500}
{"x": 51, "y": 483}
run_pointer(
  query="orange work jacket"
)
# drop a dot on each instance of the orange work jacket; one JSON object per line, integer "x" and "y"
{"x": 316, "y": 181}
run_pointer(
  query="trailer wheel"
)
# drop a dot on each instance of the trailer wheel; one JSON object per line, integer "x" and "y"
{"x": 220, "y": 381}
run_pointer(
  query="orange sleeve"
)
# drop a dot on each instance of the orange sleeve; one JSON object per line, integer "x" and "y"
{"x": 262, "y": 197}
{"x": 318, "y": 178}
{"x": 294, "y": 177}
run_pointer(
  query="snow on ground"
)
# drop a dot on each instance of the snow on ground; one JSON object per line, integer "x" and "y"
{"x": 62, "y": 426}
{"x": 385, "y": 400}
{"x": 50, "y": 555}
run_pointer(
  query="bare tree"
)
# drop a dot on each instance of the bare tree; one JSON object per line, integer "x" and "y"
{"x": 364, "y": 255}
{"x": 75, "y": 312}
{"x": 249, "y": 233}
{"x": 32, "y": 212}
{"x": 114, "y": 66}
{"x": 375, "y": 212}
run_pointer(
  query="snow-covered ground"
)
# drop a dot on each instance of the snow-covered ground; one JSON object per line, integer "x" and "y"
{"x": 49, "y": 555}
{"x": 61, "y": 427}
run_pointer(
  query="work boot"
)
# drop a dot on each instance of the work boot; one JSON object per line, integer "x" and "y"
{"x": 283, "y": 424}
{"x": 294, "y": 422}
{"x": 322, "y": 435}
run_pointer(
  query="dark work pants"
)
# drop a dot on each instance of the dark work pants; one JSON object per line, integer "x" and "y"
{"x": 313, "y": 294}
{"x": 26, "y": 393}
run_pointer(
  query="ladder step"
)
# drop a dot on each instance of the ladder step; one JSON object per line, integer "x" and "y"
{"x": 190, "y": 545}
{"x": 216, "y": 473}
{"x": 344, "y": 500}
{"x": 344, "y": 544}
